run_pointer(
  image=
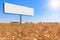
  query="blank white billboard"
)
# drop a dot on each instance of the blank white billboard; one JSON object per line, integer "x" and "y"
{"x": 16, "y": 9}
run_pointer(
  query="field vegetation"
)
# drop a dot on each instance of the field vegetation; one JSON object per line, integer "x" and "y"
{"x": 30, "y": 31}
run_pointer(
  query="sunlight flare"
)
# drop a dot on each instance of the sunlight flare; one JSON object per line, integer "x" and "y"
{"x": 54, "y": 4}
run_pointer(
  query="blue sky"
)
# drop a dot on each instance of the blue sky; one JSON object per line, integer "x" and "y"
{"x": 42, "y": 13}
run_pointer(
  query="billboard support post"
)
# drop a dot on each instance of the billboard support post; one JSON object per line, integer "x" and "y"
{"x": 20, "y": 19}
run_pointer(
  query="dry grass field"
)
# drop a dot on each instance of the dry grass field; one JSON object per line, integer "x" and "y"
{"x": 39, "y": 31}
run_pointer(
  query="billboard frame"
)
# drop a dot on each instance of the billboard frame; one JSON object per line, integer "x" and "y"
{"x": 15, "y": 14}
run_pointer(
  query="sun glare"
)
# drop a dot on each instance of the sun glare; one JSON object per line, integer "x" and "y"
{"x": 54, "y": 4}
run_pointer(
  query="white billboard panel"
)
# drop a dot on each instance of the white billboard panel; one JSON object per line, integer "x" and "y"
{"x": 16, "y": 9}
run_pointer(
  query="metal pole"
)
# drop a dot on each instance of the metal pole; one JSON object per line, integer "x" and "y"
{"x": 20, "y": 19}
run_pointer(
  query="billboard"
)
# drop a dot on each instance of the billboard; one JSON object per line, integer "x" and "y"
{"x": 16, "y": 9}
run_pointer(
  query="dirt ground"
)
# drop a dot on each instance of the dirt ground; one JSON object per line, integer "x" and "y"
{"x": 38, "y": 31}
